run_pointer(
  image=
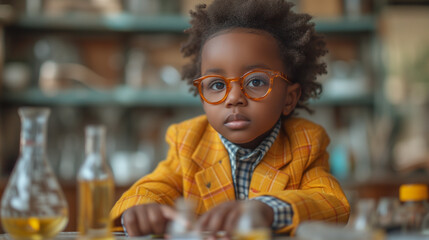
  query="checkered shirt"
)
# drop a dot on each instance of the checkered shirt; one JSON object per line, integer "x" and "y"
{"x": 243, "y": 163}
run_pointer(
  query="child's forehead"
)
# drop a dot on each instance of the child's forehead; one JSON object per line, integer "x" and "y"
{"x": 240, "y": 48}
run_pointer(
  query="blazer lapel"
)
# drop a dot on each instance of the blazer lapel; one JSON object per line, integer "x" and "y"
{"x": 267, "y": 176}
{"x": 214, "y": 181}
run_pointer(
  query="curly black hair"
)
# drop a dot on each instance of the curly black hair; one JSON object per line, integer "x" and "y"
{"x": 300, "y": 46}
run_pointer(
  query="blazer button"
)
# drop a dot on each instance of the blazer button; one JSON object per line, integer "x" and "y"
{"x": 209, "y": 184}
{"x": 241, "y": 196}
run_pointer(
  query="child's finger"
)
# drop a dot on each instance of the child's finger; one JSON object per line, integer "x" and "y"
{"x": 157, "y": 221}
{"x": 143, "y": 221}
{"x": 131, "y": 223}
{"x": 231, "y": 221}
{"x": 217, "y": 219}
{"x": 203, "y": 221}
{"x": 168, "y": 212}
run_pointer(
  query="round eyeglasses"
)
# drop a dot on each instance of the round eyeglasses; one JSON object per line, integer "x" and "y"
{"x": 255, "y": 85}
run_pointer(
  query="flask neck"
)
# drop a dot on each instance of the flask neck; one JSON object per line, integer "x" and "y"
{"x": 33, "y": 129}
{"x": 95, "y": 141}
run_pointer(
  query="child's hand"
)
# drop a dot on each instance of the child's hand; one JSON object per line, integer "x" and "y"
{"x": 147, "y": 219}
{"x": 225, "y": 216}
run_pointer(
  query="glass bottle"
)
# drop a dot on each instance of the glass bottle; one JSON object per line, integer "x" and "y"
{"x": 365, "y": 217}
{"x": 414, "y": 198}
{"x": 33, "y": 205}
{"x": 95, "y": 188}
{"x": 250, "y": 225}
{"x": 388, "y": 218}
{"x": 182, "y": 227}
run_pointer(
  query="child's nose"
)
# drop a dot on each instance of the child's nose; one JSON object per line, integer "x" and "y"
{"x": 235, "y": 96}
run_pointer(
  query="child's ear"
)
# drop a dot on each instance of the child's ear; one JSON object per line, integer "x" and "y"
{"x": 293, "y": 93}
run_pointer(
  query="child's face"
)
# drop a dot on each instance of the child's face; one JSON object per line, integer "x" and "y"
{"x": 231, "y": 54}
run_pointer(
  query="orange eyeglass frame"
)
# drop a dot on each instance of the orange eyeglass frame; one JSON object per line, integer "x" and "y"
{"x": 272, "y": 74}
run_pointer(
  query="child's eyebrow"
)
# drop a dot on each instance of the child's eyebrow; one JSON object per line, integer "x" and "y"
{"x": 214, "y": 71}
{"x": 261, "y": 65}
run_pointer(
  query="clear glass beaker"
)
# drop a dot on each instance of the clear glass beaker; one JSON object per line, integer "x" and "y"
{"x": 33, "y": 205}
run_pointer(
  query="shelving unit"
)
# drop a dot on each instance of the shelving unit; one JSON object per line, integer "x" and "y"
{"x": 128, "y": 26}
{"x": 125, "y": 23}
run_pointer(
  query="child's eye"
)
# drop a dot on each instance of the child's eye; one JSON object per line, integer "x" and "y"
{"x": 217, "y": 85}
{"x": 255, "y": 82}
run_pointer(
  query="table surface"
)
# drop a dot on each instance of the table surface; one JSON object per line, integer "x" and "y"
{"x": 118, "y": 236}
{"x": 121, "y": 236}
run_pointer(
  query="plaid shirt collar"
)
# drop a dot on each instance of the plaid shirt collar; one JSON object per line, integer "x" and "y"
{"x": 237, "y": 153}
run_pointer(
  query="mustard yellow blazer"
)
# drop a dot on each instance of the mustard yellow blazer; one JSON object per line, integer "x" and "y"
{"x": 295, "y": 170}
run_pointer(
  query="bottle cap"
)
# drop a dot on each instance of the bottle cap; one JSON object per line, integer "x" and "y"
{"x": 413, "y": 192}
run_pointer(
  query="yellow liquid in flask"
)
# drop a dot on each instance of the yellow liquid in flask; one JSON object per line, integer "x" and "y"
{"x": 34, "y": 228}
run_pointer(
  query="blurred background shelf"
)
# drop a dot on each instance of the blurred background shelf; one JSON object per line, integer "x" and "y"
{"x": 166, "y": 23}
{"x": 120, "y": 96}
{"x": 128, "y": 97}
{"x": 117, "y": 23}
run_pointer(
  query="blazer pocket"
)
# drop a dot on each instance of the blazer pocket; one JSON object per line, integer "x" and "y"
{"x": 215, "y": 185}
{"x": 267, "y": 180}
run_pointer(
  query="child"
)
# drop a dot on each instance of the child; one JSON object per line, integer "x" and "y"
{"x": 253, "y": 62}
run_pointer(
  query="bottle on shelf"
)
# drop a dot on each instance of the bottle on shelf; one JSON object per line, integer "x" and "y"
{"x": 414, "y": 207}
{"x": 33, "y": 205}
{"x": 95, "y": 188}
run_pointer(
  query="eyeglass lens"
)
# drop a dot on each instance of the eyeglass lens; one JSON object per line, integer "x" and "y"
{"x": 255, "y": 85}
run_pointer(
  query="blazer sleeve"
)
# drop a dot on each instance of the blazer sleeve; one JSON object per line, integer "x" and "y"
{"x": 319, "y": 195}
{"x": 162, "y": 186}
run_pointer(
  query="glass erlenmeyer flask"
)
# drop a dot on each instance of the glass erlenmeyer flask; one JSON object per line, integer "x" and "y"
{"x": 33, "y": 205}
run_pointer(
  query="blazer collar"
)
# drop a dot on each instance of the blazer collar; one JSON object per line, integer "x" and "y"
{"x": 280, "y": 153}
{"x": 210, "y": 150}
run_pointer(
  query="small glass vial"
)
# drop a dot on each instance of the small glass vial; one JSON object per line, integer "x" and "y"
{"x": 182, "y": 227}
{"x": 33, "y": 205}
{"x": 250, "y": 225}
{"x": 365, "y": 215}
{"x": 95, "y": 188}
{"x": 414, "y": 208}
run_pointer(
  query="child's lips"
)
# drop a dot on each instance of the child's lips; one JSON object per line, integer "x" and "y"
{"x": 236, "y": 121}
